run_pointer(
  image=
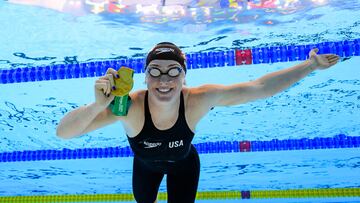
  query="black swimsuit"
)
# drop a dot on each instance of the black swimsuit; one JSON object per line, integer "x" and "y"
{"x": 158, "y": 152}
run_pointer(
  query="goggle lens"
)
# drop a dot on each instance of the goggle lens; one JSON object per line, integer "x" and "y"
{"x": 154, "y": 72}
{"x": 172, "y": 72}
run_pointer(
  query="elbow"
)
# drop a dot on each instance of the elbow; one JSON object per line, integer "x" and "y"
{"x": 266, "y": 93}
{"x": 261, "y": 90}
{"x": 61, "y": 133}
{"x": 266, "y": 90}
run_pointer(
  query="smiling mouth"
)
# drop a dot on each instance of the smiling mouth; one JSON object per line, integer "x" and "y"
{"x": 164, "y": 90}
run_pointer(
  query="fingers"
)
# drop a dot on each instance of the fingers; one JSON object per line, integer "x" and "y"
{"x": 103, "y": 84}
{"x": 113, "y": 72}
{"x": 110, "y": 78}
{"x": 329, "y": 60}
{"x": 106, "y": 83}
{"x": 333, "y": 62}
{"x": 332, "y": 58}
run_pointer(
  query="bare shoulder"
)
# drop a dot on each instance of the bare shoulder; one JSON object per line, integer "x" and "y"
{"x": 195, "y": 104}
{"x": 134, "y": 120}
{"x": 137, "y": 103}
{"x": 138, "y": 95}
{"x": 203, "y": 96}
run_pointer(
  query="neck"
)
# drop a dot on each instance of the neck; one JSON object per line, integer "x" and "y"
{"x": 159, "y": 107}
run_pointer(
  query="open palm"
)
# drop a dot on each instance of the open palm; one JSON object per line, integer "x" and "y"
{"x": 323, "y": 61}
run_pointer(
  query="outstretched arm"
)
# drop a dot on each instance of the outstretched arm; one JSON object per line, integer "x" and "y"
{"x": 278, "y": 81}
{"x": 266, "y": 86}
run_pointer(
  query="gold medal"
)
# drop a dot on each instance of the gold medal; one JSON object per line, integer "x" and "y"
{"x": 124, "y": 83}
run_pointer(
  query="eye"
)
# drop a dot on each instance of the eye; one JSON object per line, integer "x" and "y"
{"x": 174, "y": 72}
{"x": 154, "y": 72}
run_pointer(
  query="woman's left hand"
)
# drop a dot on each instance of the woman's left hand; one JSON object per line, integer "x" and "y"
{"x": 322, "y": 61}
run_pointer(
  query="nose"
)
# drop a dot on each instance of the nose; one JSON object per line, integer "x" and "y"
{"x": 164, "y": 79}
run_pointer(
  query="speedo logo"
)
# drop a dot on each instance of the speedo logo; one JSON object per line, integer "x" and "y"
{"x": 163, "y": 50}
{"x": 151, "y": 144}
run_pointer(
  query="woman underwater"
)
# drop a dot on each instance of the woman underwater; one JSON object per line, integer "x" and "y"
{"x": 161, "y": 120}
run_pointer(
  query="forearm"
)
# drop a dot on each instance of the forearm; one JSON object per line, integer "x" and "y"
{"x": 75, "y": 122}
{"x": 280, "y": 80}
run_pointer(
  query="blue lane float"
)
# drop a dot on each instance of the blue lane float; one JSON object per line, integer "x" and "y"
{"x": 345, "y": 48}
{"x": 339, "y": 141}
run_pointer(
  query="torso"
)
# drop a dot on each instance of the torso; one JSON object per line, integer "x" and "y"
{"x": 134, "y": 122}
{"x": 158, "y": 142}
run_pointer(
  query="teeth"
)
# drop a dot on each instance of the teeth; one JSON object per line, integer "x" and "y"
{"x": 163, "y": 89}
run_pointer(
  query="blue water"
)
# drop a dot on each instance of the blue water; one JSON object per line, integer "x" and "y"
{"x": 324, "y": 104}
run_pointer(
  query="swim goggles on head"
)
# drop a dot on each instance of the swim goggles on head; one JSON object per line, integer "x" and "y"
{"x": 172, "y": 72}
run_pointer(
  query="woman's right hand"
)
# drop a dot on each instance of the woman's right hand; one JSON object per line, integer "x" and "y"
{"x": 103, "y": 87}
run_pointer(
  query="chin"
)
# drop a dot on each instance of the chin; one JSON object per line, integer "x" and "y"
{"x": 165, "y": 97}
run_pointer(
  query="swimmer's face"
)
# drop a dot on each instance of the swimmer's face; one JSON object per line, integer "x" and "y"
{"x": 164, "y": 86}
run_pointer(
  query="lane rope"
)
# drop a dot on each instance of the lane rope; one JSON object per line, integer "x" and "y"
{"x": 232, "y": 57}
{"x": 201, "y": 195}
{"x": 338, "y": 141}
